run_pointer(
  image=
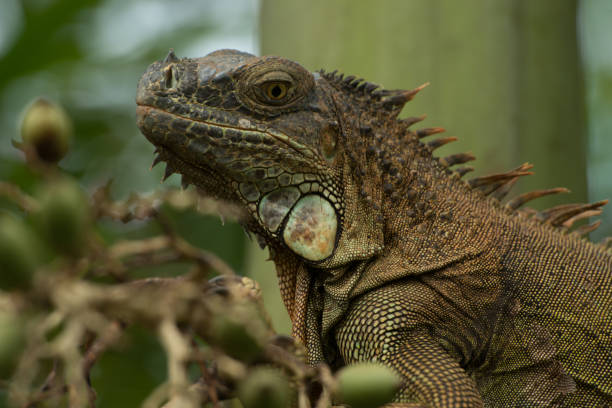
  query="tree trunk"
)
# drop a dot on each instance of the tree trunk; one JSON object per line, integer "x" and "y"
{"x": 505, "y": 75}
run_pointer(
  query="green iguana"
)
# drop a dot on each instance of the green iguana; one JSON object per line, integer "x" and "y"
{"x": 384, "y": 253}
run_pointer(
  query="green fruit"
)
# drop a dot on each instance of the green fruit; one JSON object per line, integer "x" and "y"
{"x": 234, "y": 338}
{"x": 19, "y": 253}
{"x": 265, "y": 387}
{"x": 12, "y": 340}
{"x": 367, "y": 385}
{"x": 64, "y": 217}
{"x": 46, "y": 129}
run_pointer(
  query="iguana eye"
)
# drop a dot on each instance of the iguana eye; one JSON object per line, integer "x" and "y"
{"x": 275, "y": 90}
{"x": 272, "y": 85}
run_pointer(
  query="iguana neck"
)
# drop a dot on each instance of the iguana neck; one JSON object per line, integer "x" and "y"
{"x": 427, "y": 220}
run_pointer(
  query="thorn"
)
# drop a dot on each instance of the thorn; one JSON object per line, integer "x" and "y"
{"x": 434, "y": 144}
{"x": 171, "y": 57}
{"x": 421, "y": 133}
{"x": 523, "y": 198}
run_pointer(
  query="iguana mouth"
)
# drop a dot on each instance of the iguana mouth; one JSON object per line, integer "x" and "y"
{"x": 205, "y": 136}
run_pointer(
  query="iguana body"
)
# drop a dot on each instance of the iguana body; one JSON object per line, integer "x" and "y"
{"x": 383, "y": 253}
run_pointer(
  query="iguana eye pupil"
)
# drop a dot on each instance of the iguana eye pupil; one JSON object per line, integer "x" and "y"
{"x": 276, "y": 90}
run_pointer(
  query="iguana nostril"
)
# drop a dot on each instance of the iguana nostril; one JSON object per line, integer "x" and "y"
{"x": 170, "y": 77}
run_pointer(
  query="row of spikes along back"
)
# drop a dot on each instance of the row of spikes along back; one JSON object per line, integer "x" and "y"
{"x": 496, "y": 185}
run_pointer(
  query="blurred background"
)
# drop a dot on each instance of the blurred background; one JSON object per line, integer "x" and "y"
{"x": 515, "y": 80}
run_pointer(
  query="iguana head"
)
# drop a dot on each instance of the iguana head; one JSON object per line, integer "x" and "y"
{"x": 285, "y": 144}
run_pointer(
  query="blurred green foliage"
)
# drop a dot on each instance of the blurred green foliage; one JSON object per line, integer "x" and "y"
{"x": 87, "y": 55}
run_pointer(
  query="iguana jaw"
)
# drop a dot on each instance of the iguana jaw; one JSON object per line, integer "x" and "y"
{"x": 237, "y": 164}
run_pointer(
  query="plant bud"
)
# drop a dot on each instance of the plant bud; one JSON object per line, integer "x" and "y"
{"x": 46, "y": 130}
{"x": 235, "y": 338}
{"x": 367, "y": 385}
{"x": 64, "y": 216}
{"x": 265, "y": 387}
{"x": 19, "y": 253}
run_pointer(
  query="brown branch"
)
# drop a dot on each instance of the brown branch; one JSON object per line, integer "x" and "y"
{"x": 109, "y": 337}
{"x": 16, "y": 195}
{"x": 205, "y": 259}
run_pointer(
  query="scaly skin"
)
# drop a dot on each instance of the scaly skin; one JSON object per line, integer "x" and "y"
{"x": 383, "y": 253}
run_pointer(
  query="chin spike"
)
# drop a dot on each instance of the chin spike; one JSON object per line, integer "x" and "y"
{"x": 261, "y": 241}
{"x": 246, "y": 230}
{"x": 156, "y": 160}
{"x": 169, "y": 171}
{"x": 185, "y": 181}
